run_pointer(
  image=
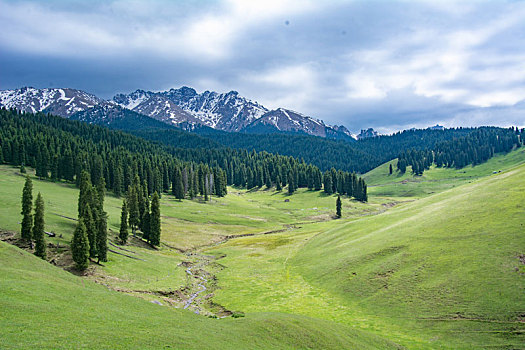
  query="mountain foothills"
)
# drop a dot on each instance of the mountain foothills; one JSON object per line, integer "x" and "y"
{"x": 220, "y": 121}
{"x": 182, "y": 107}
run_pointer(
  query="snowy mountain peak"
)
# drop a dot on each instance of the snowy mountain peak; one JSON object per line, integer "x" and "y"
{"x": 64, "y": 102}
{"x": 182, "y": 107}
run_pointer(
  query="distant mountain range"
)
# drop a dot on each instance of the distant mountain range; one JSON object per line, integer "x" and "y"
{"x": 183, "y": 108}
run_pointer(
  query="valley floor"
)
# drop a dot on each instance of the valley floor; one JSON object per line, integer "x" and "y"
{"x": 430, "y": 262}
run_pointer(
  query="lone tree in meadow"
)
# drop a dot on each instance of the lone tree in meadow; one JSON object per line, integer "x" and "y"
{"x": 154, "y": 234}
{"x": 338, "y": 207}
{"x": 38, "y": 228}
{"x": 390, "y": 170}
{"x": 27, "y": 204}
{"x": 123, "y": 233}
{"x": 80, "y": 246}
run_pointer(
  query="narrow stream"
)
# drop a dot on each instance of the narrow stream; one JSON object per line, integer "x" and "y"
{"x": 196, "y": 294}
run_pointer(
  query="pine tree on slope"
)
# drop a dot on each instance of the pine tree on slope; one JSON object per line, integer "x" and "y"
{"x": 155, "y": 220}
{"x": 80, "y": 246}
{"x": 27, "y": 204}
{"x": 338, "y": 207}
{"x": 123, "y": 233}
{"x": 38, "y": 228}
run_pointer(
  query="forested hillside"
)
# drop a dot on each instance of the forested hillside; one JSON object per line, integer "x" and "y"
{"x": 474, "y": 148}
{"x": 61, "y": 149}
{"x": 360, "y": 156}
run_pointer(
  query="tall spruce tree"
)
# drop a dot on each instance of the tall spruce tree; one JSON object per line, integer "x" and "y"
{"x": 27, "y": 204}
{"x": 327, "y": 182}
{"x": 338, "y": 207}
{"x": 390, "y": 169}
{"x": 80, "y": 246}
{"x": 123, "y": 233}
{"x": 91, "y": 230}
{"x": 84, "y": 196}
{"x": 278, "y": 186}
{"x": 178, "y": 186}
{"x": 102, "y": 237}
{"x": 38, "y": 228}
{"x": 133, "y": 209}
{"x": 155, "y": 220}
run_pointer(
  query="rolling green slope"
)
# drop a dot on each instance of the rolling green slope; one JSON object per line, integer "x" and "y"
{"x": 47, "y": 308}
{"x": 437, "y": 266}
{"x": 446, "y": 267}
{"x": 435, "y": 180}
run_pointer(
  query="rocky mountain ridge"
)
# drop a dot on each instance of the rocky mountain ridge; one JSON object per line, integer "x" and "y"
{"x": 183, "y": 107}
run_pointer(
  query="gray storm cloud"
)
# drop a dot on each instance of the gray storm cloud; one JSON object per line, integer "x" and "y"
{"x": 388, "y": 65}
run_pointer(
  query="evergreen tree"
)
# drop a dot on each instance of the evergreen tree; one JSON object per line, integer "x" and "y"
{"x": 178, "y": 186}
{"x": 401, "y": 165}
{"x": 338, "y": 207}
{"x": 38, "y": 228}
{"x": 291, "y": 183}
{"x": 155, "y": 220}
{"x": 390, "y": 169}
{"x": 27, "y": 204}
{"x": 123, "y": 233}
{"x": 102, "y": 237}
{"x": 133, "y": 209}
{"x": 80, "y": 246}
{"x": 91, "y": 230}
{"x": 146, "y": 229}
{"x": 84, "y": 197}
{"x": 101, "y": 193}
{"x": 117, "y": 182}
{"x": 278, "y": 186}
{"x": 268, "y": 180}
{"x": 327, "y": 182}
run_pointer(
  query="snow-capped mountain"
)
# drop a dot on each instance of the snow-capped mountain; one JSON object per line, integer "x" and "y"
{"x": 342, "y": 129}
{"x": 183, "y": 108}
{"x": 114, "y": 116}
{"x": 226, "y": 111}
{"x": 289, "y": 121}
{"x": 285, "y": 120}
{"x": 163, "y": 109}
{"x": 63, "y": 102}
{"x": 367, "y": 133}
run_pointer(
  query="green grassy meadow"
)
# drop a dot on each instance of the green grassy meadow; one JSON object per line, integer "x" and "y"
{"x": 430, "y": 262}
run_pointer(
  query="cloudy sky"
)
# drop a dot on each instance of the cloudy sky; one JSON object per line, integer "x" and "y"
{"x": 389, "y": 65}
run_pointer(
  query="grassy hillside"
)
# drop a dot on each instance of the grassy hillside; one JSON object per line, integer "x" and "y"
{"x": 430, "y": 262}
{"x": 186, "y": 225}
{"x": 447, "y": 265}
{"x": 436, "y": 272}
{"x": 435, "y": 180}
{"x": 45, "y": 307}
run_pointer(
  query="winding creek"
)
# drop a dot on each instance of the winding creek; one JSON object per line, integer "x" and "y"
{"x": 200, "y": 285}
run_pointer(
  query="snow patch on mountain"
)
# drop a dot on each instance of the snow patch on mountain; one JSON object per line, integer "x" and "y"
{"x": 63, "y": 102}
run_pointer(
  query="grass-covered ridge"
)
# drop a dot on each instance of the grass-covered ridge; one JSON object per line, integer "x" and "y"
{"x": 443, "y": 271}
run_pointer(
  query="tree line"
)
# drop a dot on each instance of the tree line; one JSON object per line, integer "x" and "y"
{"x": 477, "y": 147}
{"x": 61, "y": 149}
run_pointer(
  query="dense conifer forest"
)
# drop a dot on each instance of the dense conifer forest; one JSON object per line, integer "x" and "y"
{"x": 61, "y": 149}
{"x": 359, "y": 156}
{"x": 476, "y": 147}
